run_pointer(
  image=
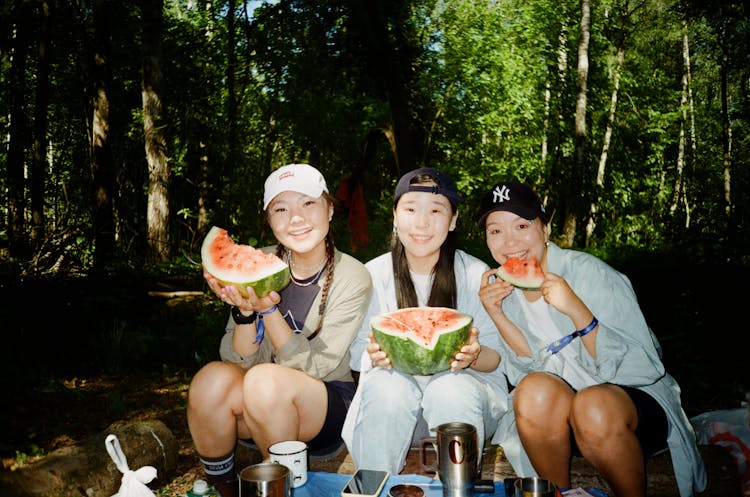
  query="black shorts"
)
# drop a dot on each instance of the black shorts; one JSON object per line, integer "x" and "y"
{"x": 340, "y": 394}
{"x": 653, "y": 427}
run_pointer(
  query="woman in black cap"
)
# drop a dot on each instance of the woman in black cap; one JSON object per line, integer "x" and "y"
{"x": 601, "y": 390}
{"x": 424, "y": 268}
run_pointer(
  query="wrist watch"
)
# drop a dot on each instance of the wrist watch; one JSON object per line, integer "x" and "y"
{"x": 239, "y": 318}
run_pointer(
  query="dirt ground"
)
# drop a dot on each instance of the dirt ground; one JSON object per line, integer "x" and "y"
{"x": 85, "y": 406}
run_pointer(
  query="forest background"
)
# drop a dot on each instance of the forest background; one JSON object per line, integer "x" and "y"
{"x": 133, "y": 127}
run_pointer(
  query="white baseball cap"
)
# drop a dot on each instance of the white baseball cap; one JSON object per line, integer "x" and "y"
{"x": 300, "y": 178}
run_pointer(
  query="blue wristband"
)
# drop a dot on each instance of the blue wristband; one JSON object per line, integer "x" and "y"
{"x": 557, "y": 345}
{"x": 588, "y": 329}
{"x": 261, "y": 327}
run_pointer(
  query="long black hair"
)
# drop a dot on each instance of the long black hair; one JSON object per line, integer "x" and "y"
{"x": 443, "y": 292}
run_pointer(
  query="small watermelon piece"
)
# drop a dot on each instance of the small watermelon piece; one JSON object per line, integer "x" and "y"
{"x": 525, "y": 274}
{"x": 421, "y": 340}
{"x": 242, "y": 265}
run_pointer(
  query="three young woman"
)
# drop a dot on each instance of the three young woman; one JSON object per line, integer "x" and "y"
{"x": 293, "y": 382}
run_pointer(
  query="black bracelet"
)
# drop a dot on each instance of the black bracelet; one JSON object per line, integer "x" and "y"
{"x": 239, "y": 318}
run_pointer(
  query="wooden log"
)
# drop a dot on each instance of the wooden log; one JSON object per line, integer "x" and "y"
{"x": 87, "y": 469}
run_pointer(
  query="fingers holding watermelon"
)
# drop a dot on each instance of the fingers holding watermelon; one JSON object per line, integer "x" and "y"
{"x": 493, "y": 290}
{"x": 378, "y": 357}
{"x": 558, "y": 294}
{"x": 468, "y": 353}
{"x": 231, "y": 295}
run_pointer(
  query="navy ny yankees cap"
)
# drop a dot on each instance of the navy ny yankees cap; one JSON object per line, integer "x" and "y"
{"x": 514, "y": 197}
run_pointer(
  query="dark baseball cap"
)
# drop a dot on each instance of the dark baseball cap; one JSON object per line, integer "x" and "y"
{"x": 444, "y": 185}
{"x": 514, "y": 197}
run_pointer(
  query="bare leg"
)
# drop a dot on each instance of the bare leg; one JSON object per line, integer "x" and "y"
{"x": 542, "y": 405}
{"x": 283, "y": 404}
{"x": 604, "y": 420}
{"x": 214, "y": 406}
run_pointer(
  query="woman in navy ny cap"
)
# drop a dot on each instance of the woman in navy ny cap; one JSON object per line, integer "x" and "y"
{"x": 600, "y": 391}
{"x": 424, "y": 268}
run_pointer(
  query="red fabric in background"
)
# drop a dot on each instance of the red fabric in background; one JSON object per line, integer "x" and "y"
{"x": 354, "y": 200}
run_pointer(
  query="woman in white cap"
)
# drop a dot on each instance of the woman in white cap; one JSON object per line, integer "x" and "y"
{"x": 295, "y": 384}
{"x": 600, "y": 391}
{"x": 424, "y": 268}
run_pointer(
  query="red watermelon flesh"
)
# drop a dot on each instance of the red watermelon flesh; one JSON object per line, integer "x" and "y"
{"x": 242, "y": 265}
{"x": 525, "y": 274}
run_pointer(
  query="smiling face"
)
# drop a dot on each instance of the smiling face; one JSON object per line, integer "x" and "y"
{"x": 422, "y": 221}
{"x": 300, "y": 222}
{"x": 509, "y": 235}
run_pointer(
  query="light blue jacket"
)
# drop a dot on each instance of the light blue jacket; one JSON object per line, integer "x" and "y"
{"x": 468, "y": 270}
{"x": 627, "y": 353}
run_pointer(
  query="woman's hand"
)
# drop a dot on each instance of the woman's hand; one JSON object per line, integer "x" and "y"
{"x": 493, "y": 294}
{"x": 377, "y": 356}
{"x": 230, "y": 295}
{"x": 468, "y": 353}
{"x": 557, "y": 293}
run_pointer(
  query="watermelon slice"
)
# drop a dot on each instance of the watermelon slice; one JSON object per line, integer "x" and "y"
{"x": 525, "y": 274}
{"x": 421, "y": 340}
{"x": 242, "y": 265}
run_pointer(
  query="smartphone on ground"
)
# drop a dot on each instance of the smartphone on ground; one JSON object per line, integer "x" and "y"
{"x": 365, "y": 483}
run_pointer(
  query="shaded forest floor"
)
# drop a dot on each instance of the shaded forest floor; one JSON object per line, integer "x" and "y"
{"x": 80, "y": 355}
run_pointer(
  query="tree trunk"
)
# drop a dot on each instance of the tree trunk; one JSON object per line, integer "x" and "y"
{"x": 157, "y": 218}
{"x": 574, "y": 202}
{"x": 39, "y": 161}
{"x": 392, "y": 67}
{"x": 678, "y": 191}
{"x": 19, "y": 138}
{"x": 605, "y": 145}
{"x": 101, "y": 161}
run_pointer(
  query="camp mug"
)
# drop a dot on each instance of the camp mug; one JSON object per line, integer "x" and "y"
{"x": 293, "y": 455}
{"x": 534, "y": 487}
{"x": 268, "y": 479}
{"x": 457, "y": 458}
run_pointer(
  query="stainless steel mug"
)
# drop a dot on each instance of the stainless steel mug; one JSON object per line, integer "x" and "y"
{"x": 534, "y": 487}
{"x": 457, "y": 458}
{"x": 266, "y": 480}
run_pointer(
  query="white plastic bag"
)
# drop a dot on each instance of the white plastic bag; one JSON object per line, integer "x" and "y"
{"x": 728, "y": 429}
{"x": 133, "y": 482}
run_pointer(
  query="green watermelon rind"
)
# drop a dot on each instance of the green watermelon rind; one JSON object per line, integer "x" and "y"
{"x": 274, "y": 280}
{"x": 518, "y": 283}
{"x": 409, "y": 357}
{"x": 262, "y": 287}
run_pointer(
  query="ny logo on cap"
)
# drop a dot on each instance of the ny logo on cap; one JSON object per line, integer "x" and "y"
{"x": 499, "y": 195}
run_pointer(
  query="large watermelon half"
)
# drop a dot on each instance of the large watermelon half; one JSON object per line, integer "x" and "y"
{"x": 421, "y": 340}
{"x": 242, "y": 265}
{"x": 525, "y": 274}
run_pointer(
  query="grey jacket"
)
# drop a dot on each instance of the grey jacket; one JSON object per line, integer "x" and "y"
{"x": 627, "y": 353}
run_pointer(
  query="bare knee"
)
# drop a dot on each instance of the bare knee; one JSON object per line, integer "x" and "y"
{"x": 264, "y": 390}
{"x": 601, "y": 412}
{"x": 212, "y": 385}
{"x": 541, "y": 395}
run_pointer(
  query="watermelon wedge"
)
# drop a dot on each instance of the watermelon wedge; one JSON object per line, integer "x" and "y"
{"x": 242, "y": 265}
{"x": 525, "y": 274}
{"x": 421, "y": 340}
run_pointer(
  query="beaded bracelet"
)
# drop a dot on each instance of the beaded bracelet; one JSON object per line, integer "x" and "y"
{"x": 261, "y": 327}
